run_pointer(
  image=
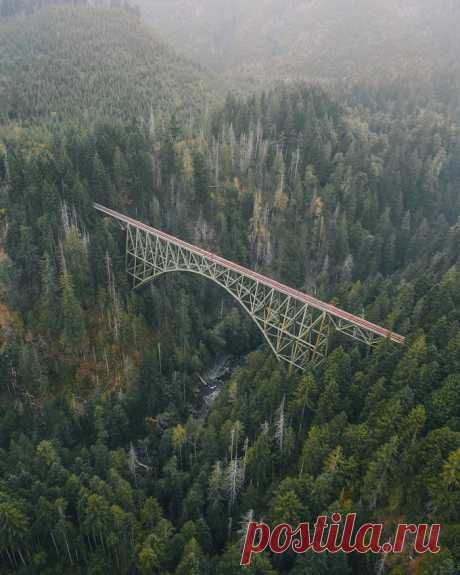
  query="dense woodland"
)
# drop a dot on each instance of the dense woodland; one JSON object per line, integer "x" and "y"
{"x": 12, "y": 8}
{"x": 110, "y": 460}
{"x": 268, "y": 40}
{"x": 64, "y": 62}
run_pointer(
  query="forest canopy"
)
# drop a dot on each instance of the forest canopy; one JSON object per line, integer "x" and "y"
{"x": 121, "y": 450}
{"x": 69, "y": 62}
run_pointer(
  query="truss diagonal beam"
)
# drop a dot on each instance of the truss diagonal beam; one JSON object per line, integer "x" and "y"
{"x": 295, "y": 325}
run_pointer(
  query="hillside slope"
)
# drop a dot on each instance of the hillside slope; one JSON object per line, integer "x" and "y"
{"x": 102, "y": 424}
{"x": 310, "y": 38}
{"x": 63, "y": 61}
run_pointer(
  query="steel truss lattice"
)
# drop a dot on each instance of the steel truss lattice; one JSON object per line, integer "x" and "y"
{"x": 296, "y": 326}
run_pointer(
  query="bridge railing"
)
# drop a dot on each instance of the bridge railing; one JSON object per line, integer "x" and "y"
{"x": 343, "y": 321}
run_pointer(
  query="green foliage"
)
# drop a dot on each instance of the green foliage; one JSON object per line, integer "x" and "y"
{"x": 110, "y": 459}
{"x": 74, "y": 61}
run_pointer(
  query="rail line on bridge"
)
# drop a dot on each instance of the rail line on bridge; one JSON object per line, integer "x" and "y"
{"x": 296, "y": 325}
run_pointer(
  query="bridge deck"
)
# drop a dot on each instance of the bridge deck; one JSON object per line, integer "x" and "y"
{"x": 316, "y": 303}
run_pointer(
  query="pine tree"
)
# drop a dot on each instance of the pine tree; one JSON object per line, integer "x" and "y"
{"x": 73, "y": 327}
{"x": 193, "y": 560}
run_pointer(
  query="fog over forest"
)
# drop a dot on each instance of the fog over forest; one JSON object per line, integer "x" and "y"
{"x": 313, "y": 39}
{"x": 143, "y": 428}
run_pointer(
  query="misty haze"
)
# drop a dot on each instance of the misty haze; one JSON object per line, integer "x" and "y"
{"x": 229, "y": 287}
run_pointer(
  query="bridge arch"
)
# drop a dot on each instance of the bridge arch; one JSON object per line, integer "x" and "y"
{"x": 295, "y": 325}
{"x": 148, "y": 281}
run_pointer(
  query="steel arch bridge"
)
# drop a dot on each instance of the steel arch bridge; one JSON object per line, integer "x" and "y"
{"x": 295, "y": 325}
